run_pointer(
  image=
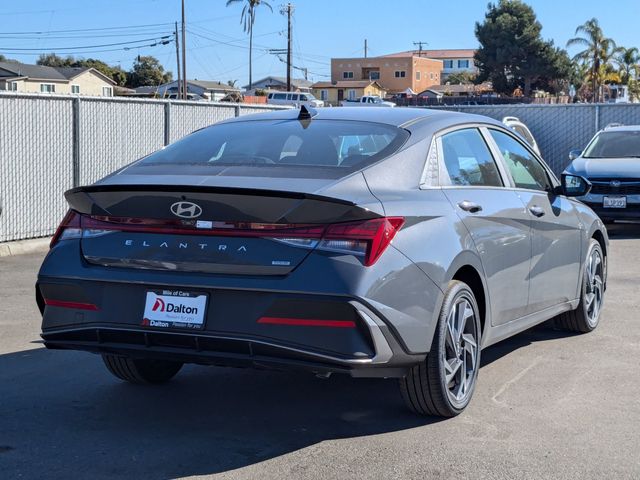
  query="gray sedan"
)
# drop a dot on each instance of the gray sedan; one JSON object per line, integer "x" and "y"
{"x": 376, "y": 244}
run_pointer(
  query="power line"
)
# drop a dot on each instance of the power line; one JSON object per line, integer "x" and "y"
{"x": 18, "y": 49}
{"x": 85, "y": 52}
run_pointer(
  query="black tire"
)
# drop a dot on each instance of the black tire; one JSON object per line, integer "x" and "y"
{"x": 582, "y": 320}
{"x": 425, "y": 389}
{"x": 141, "y": 371}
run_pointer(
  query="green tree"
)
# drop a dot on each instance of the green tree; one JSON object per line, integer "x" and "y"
{"x": 628, "y": 60}
{"x": 512, "y": 53}
{"x": 248, "y": 18}
{"x": 53, "y": 60}
{"x": 598, "y": 53}
{"x": 147, "y": 71}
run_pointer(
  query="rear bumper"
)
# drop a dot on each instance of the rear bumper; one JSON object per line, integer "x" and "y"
{"x": 232, "y": 334}
{"x": 233, "y": 351}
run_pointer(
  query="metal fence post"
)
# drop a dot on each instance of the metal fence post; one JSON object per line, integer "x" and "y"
{"x": 76, "y": 141}
{"x": 597, "y": 114}
{"x": 237, "y": 110}
{"x": 167, "y": 123}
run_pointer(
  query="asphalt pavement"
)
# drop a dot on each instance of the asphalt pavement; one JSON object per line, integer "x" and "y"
{"x": 548, "y": 405}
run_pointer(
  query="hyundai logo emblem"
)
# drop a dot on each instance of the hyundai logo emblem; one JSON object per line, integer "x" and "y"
{"x": 186, "y": 210}
{"x": 615, "y": 183}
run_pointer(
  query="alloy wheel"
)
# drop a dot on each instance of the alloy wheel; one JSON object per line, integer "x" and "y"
{"x": 461, "y": 351}
{"x": 594, "y": 287}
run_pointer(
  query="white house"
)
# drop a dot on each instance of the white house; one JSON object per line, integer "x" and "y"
{"x": 211, "y": 90}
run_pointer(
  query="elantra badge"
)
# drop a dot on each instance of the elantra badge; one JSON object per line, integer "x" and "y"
{"x": 615, "y": 183}
{"x": 186, "y": 210}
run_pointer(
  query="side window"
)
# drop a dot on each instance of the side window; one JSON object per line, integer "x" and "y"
{"x": 468, "y": 160}
{"x": 526, "y": 170}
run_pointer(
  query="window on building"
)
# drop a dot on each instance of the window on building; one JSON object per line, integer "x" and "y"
{"x": 431, "y": 75}
{"x": 448, "y": 64}
{"x": 75, "y": 89}
{"x": 418, "y": 76}
{"x": 347, "y": 74}
{"x": 47, "y": 88}
{"x": 12, "y": 86}
{"x": 400, "y": 74}
{"x": 374, "y": 75}
{"x": 324, "y": 95}
{"x": 463, "y": 63}
{"x": 107, "y": 92}
{"x": 351, "y": 94}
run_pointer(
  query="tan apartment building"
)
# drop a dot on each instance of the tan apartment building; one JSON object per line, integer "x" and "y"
{"x": 20, "y": 77}
{"x": 395, "y": 74}
{"x": 456, "y": 60}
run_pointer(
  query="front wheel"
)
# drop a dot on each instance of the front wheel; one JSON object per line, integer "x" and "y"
{"x": 443, "y": 384}
{"x": 586, "y": 317}
{"x": 141, "y": 371}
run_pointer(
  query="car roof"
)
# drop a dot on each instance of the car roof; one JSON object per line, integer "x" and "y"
{"x": 622, "y": 128}
{"x": 398, "y": 117}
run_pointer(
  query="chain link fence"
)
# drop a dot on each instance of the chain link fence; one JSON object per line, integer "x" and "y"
{"x": 49, "y": 144}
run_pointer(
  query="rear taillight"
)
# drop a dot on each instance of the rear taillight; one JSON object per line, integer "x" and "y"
{"x": 367, "y": 238}
{"x": 69, "y": 228}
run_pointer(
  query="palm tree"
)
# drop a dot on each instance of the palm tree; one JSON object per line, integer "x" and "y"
{"x": 248, "y": 17}
{"x": 598, "y": 53}
{"x": 629, "y": 62}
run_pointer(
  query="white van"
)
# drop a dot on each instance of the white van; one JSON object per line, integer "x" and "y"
{"x": 294, "y": 99}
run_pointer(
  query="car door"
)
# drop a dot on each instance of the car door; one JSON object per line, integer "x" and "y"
{"x": 555, "y": 226}
{"x": 494, "y": 216}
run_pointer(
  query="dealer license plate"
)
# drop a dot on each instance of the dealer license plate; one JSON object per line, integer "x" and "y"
{"x": 175, "y": 309}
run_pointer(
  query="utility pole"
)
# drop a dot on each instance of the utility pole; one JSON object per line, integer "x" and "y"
{"x": 419, "y": 44}
{"x": 178, "y": 61}
{"x": 288, "y": 10}
{"x": 365, "y": 48}
{"x": 184, "y": 55}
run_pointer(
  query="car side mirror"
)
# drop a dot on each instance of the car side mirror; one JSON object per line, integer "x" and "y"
{"x": 575, "y": 185}
{"x": 573, "y": 154}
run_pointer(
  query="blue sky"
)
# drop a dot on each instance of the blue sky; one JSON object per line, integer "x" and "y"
{"x": 218, "y": 48}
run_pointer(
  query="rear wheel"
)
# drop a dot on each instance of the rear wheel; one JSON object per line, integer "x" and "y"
{"x": 443, "y": 384}
{"x": 141, "y": 371}
{"x": 586, "y": 317}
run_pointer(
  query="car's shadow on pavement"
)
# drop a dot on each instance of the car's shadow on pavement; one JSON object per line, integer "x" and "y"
{"x": 63, "y": 416}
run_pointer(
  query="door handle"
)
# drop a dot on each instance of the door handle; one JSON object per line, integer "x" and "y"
{"x": 470, "y": 207}
{"x": 536, "y": 210}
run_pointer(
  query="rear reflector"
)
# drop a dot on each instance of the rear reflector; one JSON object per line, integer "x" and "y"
{"x": 367, "y": 238}
{"x": 307, "y": 322}
{"x": 74, "y": 305}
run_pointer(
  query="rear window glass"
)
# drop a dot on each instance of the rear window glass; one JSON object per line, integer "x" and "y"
{"x": 614, "y": 145}
{"x": 290, "y": 145}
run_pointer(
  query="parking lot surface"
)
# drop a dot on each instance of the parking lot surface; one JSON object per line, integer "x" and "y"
{"x": 548, "y": 405}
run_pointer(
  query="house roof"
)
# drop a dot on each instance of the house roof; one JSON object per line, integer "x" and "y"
{"x": 436, "y": 54}
{"x": 213, "y": 85}
{"x": 31, "y": 71}
{"x": 346, "y": 84}
{"x": 483, "y": 87}
{"x": 41, "y": 72}
{"x": 296, "y": 82}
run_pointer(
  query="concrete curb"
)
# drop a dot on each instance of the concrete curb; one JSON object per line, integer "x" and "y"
{"x": 21, "y": 247}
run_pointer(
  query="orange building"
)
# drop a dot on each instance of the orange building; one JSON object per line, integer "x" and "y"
{"x": 394, "y": 73}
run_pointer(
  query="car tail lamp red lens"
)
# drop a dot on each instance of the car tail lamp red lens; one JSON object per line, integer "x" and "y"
{"x": 69, "y": 228}
{"x": 367, "y": 238}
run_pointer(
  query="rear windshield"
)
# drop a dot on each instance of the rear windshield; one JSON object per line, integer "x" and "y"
{"x": 282, "y": 148}
{"x": 615, "y": 145}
